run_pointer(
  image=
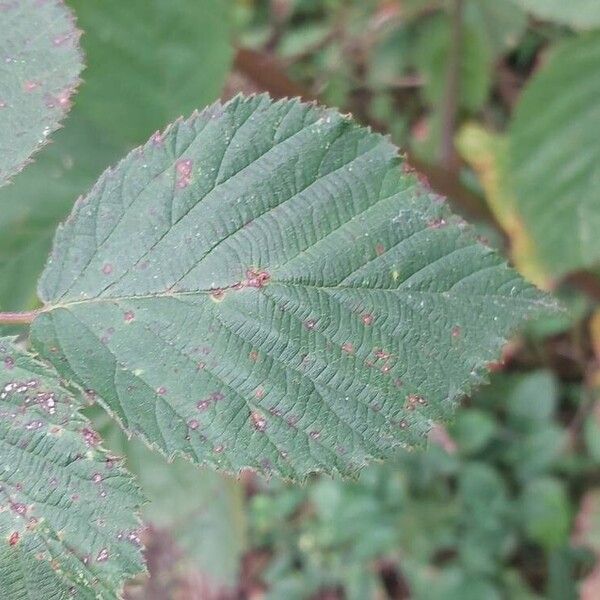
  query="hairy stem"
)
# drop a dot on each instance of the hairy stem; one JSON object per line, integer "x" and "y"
{"x": 18, "y": 318}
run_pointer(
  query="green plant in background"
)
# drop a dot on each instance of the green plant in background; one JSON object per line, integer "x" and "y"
{"x": 265, "y": 284}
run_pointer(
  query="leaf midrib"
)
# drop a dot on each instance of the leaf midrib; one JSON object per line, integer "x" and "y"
{"x": 48, "y": 307}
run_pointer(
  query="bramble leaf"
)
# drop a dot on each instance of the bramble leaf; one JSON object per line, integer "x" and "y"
{"x": 262, "y": 285}
{"x": 67, "y": 508}
{"x": 556, "y": 184}
{"x": 581, "y": 14}
{"x": 488, "y": 154}
{"x": 41, "y": 62}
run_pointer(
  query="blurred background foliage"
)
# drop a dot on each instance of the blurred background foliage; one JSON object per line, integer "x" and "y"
{"x": 497, "y": 104}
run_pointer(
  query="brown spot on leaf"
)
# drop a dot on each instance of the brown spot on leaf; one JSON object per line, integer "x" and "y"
{"x": 59, "y": 40}
{"x": 367, "y": 319}
{"x": 217, "y": 294}
{"x": 413, "y": 400}
{"x": 102, "y": 555}
{"x": 203, "y": 404}
{"x": 257, "y": 278}
{"x": 184, "y": 171}
{"x": 90, "y": 437}
{"x": 31, "y": 86}
{"x": 436, "y": 223}
{"x": 258, "y": 421}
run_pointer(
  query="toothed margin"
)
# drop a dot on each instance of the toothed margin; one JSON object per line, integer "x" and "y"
{"x": 70, "y": 89}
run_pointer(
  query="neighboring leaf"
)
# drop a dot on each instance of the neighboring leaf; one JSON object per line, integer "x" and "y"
{"x": 556, "y": 183}
{"x": 587, "y": 533}
{"x": 262, "y": 285}
{"x": 546, "y": 512}
{"x": 488, "y": 154}
{"x": 41, "y": 62}
{"x": 389, "y": 59}
{"x": 581, "y": 14}
{"x": 473, "y": 430}
{"x": 485, "y": 525}
{"x": 502, "y": 24}
{"x": 67, "y": 509}
{"x": 152, "y": 60}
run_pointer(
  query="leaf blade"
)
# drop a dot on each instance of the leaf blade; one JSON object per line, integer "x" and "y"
{"x": 580, "y": 14}
{"x": 42, "y": 62}
{"x": 555, "y": 183}
{"x": 65, "y": 500}
{"x": 233, "y": 309}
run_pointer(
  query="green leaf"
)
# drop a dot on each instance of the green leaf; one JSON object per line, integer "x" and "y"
{"x": 489, "y": 155}
{"x": 67, "y": 516}
{"x": 556, "y": 183}
{"x": 41, "y": 62}
{"x": 485, "y": 531}
{"x": 473, "y": 430}
{"x": 152, "y": 60}
{"x": 262, "y": 285}
{"x": 546, "y": 512}
{"x": 580, "y": 14}
{"x": 532, "y": 401}
{"x": 501, "y": 23}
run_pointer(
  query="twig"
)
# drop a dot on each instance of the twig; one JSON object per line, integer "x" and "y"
{"x": 448, "y": 156}
{"x": 18, "y": 318}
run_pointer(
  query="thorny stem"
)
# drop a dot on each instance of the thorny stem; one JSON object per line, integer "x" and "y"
{"x": 18, "y": 318}
{"x": 452, "y": 92}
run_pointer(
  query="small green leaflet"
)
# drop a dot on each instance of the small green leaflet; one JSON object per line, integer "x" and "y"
{"x": 67, "y": 509}
{"x": 41, "y": 62}
{"x": 556, "y": 185}
{"x": 265, "y": 285}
